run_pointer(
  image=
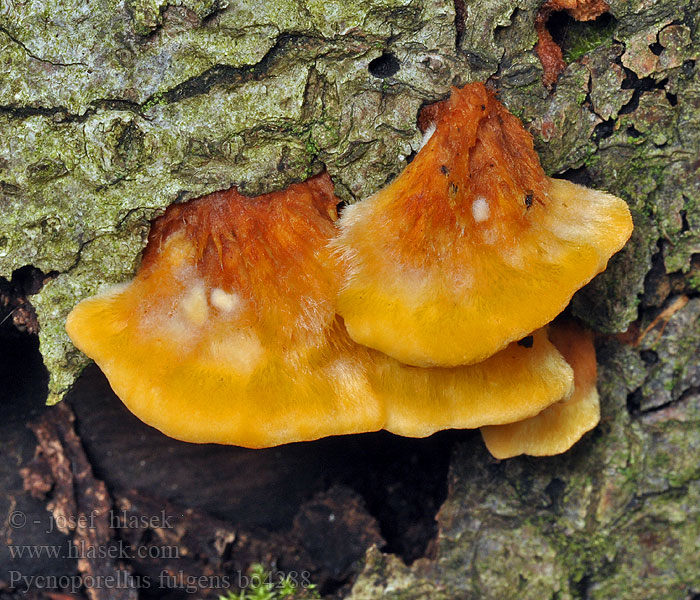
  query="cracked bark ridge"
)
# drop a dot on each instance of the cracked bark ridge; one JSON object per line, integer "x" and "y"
{"x": 78, "y": 501}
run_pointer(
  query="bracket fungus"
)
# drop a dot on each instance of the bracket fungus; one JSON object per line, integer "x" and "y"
{"x": 561, "y": 425}
{"x": 260, "y": 321}
{"x": 514, "y": 384}
{"x": 472, "y": 246}
{"x": 228, "y": 332}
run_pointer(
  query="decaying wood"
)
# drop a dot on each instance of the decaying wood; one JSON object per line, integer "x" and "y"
{"x": 79, "y": 503}
{"x": 160, "y": 544}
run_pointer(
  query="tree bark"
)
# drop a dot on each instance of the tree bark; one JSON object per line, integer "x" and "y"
{"x": 110, "y": 112}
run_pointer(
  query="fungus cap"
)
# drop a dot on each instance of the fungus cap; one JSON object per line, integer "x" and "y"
{"x": 514, "y": 384}
{"x": 558, "y": 427}
{"x": 228, "y": 332}
{"x": 471, "y": 247}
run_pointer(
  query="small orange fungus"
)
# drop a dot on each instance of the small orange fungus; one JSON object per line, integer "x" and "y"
{"x": 472, "y": 246}
{"x": 562, "y": 424}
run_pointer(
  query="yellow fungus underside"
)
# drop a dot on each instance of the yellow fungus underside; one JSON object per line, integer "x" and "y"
{"x": 558, "y": 427}
{"x": 514, "y": 384}
{"x": 553, "y": 431}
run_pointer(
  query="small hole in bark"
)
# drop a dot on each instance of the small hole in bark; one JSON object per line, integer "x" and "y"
{"x": 672, "y": 98}
{"x": 558, "y": 24}
{"x": 577, "y": 38}
{"x": 649, "y": 357}
{"x": 23, "y": 377}
{"x": 645, "y": 84}
{"x": 656, "y": 48}
{"x": 555, "y": 490}
{"x": 386, "y": 65}
{"x": 28, "y": 280}
{"x": 685, "y": 226}
{"x": 582, "y": 586}
{"x": 580, "y": 176}
{"x": 460, "y": 19}
{"x": 634, "y": 401}
{"x": 15, "y": 307}
{"x": 604, "y": 130}
{"x": 656, "y": 282}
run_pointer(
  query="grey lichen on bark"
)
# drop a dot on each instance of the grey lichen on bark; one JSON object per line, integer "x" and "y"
{"x": 116, "y": 110}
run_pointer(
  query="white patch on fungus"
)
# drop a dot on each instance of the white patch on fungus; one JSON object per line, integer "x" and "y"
{"x": 194, "y": 304}
{"x": 427, "y": 135}
{"x": 239, "y": 349}
{"x": 513, "y": 256}
{"x": 224, "y": 301}
{"x": 462, "y": 279}
{"x": 480, "y": 209}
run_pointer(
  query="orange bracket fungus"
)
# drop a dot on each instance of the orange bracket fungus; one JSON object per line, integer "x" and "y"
{"x": 228, "y": 332}
{"x": 562, "y": 424}
{"x": 517, "y": 382}
{"x": 472, "y": 246}
{"x": 261, "y": 321}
